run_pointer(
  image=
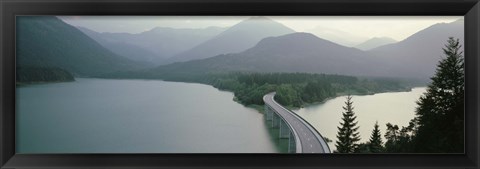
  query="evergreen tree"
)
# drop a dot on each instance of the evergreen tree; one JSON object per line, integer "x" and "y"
{"x": 363, "y": 148}
{"x": 400, "y": 140}
{"x": 440, "y": 111}
{"x": 392, "y": 136}
{"x": 376, "y": 144}
{"x": 347, "y": 135}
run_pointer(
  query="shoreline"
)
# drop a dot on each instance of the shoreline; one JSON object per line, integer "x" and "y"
{"x": 19, "y": 84}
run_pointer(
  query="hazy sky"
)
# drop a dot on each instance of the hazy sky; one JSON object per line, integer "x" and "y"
{"x": 396, "y": 27}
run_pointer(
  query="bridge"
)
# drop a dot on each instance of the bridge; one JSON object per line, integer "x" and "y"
{"x": 302, "y": 137}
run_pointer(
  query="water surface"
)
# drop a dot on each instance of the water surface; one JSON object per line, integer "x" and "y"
{"x": 152, "y": 116}
{"x": 136, "y": 116}
{"x": 395, "y": 107}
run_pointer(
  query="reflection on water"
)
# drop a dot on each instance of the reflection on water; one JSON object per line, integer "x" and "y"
{"x": 280, "y": 143}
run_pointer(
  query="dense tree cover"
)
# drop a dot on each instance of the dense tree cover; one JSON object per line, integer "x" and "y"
{"x": 42, "y": 74}
{"x": 296, "y": 89}
{"x": 347, "y": 135}
{"x": 399, "y": 140}
{"x": 293, "y": 89}
{"x": 374, "y": 144}
{"x": 438, "y": 124}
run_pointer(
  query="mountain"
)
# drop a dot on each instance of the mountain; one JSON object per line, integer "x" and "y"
{"x": 375, "y": 42}
{"x": 419, "y": 54}
{"x": 415, "y": 57}
{"x": 237, "y": 38}
{"x": 123, "y": 48}
{"x": 296, "y": 52}
{"x": 337, "y": 36}
{"x": 46, "y": 41}
{"x": 154, "y": 45}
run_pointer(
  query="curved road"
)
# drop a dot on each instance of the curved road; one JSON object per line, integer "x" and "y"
{"x": 310, "y": 140}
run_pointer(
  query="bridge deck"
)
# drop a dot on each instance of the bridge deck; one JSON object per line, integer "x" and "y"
{"x": 310, "y": 139}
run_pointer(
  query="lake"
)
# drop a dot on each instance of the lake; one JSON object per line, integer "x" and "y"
{"x": 136, "y": 116}
{"x": 153, "y": 116}
{"x": 396, "y": 107}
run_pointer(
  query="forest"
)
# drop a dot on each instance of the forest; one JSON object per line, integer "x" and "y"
{"x": 29, "y": 74}
{"x": 293, "y": 89}
{"x": 298, "y": 89}
{"x": 438, "y": 125}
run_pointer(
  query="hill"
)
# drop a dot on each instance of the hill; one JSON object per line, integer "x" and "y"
{"x": 123, "y": 48}
{"x": 296, "y": 52}
{"x": 46, "y": 41}
{"x": 415, "y": 57}
{"x": 418, "y": 55}
{"x": 154, "y": 45}
{"x": 375, "y": 42}
{"x": 237, "y": 38}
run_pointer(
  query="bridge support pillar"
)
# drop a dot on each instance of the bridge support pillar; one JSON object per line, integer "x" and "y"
{"x": 275, "y": 120}
{"x": 268, "y": 113}
{"x": 292, "y": 146}
{"x": 284, "y": 130}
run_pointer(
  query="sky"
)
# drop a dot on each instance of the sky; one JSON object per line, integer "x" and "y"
{"x": 361, "y": 27}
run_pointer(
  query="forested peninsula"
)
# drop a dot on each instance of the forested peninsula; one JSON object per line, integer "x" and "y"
{"x": 293, "y": 89}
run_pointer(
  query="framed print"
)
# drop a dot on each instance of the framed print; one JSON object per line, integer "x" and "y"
{"x": 239, "y": 84}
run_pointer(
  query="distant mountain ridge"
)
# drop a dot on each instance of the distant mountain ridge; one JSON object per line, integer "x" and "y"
{"x": 155, "y": 45}
{"x": 375, "y": 42}
{"x": 123, "y": 48}
{"x": 46, "y": 41}
{"x": 296, "y": 52}
{"x": 419, "y": 54}
{"x": 236, "y": 39}
{"x": 49, "y": 42}
{"x": 338, "y": 36}
{"x": 414, "y": 57}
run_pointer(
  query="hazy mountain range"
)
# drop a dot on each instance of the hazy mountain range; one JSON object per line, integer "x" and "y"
{"x": 414, "y": 57}
{"x": 337, "y": 36}
{"x": 375, "y": 42}
{"x": 419, "y": 54}
{"x": 350, "y": 40}
{"x": 46, "y": 41}
{"x": 257, "y": 44}
{"x": 296, "y": 52}
{"x": 237, "y": 38}
{"x": 155, "y": 45}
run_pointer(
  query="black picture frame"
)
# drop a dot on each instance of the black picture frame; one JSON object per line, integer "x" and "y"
{"x": 11, "y": 8}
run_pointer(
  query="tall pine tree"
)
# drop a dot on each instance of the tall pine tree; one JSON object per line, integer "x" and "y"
{"x": 347, "y": 135}
{"x": 440, "y": 111}
{"x": 392, "y": 136}
{"x": 375, "y": 143}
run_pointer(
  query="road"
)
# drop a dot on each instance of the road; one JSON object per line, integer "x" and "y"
{"x": 311, "y": 141}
